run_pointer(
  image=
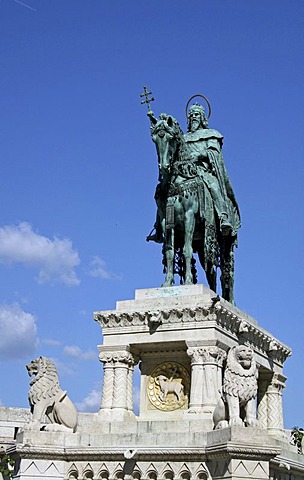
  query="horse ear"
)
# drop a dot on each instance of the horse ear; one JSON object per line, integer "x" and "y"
{"x": 170, "y": 121}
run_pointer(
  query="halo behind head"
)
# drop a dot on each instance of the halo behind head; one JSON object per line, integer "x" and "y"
{"x": 196, "y": 105}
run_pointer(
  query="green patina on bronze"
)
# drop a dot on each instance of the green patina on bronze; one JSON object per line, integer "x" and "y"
{"x": 196, "y": 208}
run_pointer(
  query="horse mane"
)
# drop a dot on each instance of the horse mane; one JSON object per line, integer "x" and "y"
{"x": 170, "y": 123}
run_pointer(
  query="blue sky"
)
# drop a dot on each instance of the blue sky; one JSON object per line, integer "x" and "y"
{"x": 79, "y": 170}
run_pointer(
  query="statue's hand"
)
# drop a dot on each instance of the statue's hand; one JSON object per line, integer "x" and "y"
{"x": 153, "y": 120}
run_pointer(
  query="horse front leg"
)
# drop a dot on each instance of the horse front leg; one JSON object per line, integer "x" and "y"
{"x": 169, "y": 255}
{"x": 188, "y": 250}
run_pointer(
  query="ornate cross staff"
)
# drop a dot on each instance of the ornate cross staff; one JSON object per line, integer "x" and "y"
{"x": 147, "y": 100}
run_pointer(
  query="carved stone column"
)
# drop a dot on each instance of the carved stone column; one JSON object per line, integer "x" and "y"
{"x": 130, "y": 387}
{"x": 123, "y": 361}
{"x": 274, "y": 404}
{"x": 262, "y": 409}
{"x": 117, "y": 393}
{"x": 108, "y": 380}
{"x": 206, "y": 377}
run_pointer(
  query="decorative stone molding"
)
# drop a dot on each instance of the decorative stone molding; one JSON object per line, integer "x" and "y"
{"x": 123, "y": 356}
{"x": 283, "y": 469}
{"x": 207, "y": 355}
{"x": 143, "y": 470}
{"x": 214, "y": 452}
{"x": 228, "y": 320}
{"x": 231, "y": 449}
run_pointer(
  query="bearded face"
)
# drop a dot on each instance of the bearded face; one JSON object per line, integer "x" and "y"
{"x": 195, "y": 120}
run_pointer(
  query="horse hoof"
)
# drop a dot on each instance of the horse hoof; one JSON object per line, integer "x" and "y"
{"x": 168, "y": 283}
{"x": 188, "y": 281}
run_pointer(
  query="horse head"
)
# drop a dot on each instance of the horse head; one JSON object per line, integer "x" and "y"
{"x": 167, "y": 136}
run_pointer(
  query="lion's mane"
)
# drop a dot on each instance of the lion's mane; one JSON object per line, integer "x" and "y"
{"x": 45, "y": 383}
{"x": 239, "y": 381}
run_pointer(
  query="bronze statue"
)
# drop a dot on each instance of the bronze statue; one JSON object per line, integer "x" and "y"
{"x": 196, "y": 208}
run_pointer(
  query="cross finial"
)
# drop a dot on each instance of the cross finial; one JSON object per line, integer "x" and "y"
{"x": 147, "y": 100}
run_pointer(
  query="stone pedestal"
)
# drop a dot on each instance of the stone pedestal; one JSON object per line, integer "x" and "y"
{"x": 183, "y": 339}
{"x": 181, "y": 335}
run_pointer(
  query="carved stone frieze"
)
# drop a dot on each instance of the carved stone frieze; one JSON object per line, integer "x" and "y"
{"x": 139, "y": 470}
{"x": 228, "y": 320}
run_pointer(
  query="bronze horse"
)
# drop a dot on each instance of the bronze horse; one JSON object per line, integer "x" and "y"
{"x": 186, "y": 217}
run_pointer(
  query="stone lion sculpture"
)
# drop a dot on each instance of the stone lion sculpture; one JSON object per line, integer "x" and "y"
{"x": 237, "y": 404}
{"x": 47, "y": 398}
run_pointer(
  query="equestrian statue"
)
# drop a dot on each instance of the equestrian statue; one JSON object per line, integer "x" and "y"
{"x": 197, "y": 211}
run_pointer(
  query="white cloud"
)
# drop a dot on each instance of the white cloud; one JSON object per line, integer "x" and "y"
{"x": 55, "y": 259}
{"x": 51, "y": 342}
{"x": 92, "y": 402}
{"x": 98, "y": 269}
{"x": 76, "y": 352}
{"x": 18, "y": 333}
{"x": 63, "y": 368}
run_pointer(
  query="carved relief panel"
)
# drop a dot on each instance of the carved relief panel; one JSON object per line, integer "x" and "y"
{"x": 168, "y": 387}
{"x": 165, "y": 382}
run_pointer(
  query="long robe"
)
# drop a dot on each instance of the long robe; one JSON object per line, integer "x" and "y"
{"x": 204, "y": 149}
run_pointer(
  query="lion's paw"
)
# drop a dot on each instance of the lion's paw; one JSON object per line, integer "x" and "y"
{"x": 236, "y": 422}
{"x": 221, "y": 424}
{"x": 252, "y": 422}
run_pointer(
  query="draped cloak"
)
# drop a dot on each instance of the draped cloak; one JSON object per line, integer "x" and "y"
{"x": 204, "y": 143}
{"x": 203, "y": 148}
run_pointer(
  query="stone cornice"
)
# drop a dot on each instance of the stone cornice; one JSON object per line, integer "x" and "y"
{"x": 90, "y": 453}
{"x": 218, "y": 315}
{"x": 211, "y": 453}
{"x": 281, "y": 463}
{"x": 102, "y": 454}
{"x": 237, "y": 450}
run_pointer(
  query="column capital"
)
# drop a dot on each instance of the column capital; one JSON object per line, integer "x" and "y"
{"x": 277, "y": 383}
{"x": 117, "y": 356}
{"x": 206, "y": 355}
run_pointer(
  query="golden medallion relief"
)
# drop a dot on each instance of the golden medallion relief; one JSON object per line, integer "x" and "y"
{"x": 168, "y": 386}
